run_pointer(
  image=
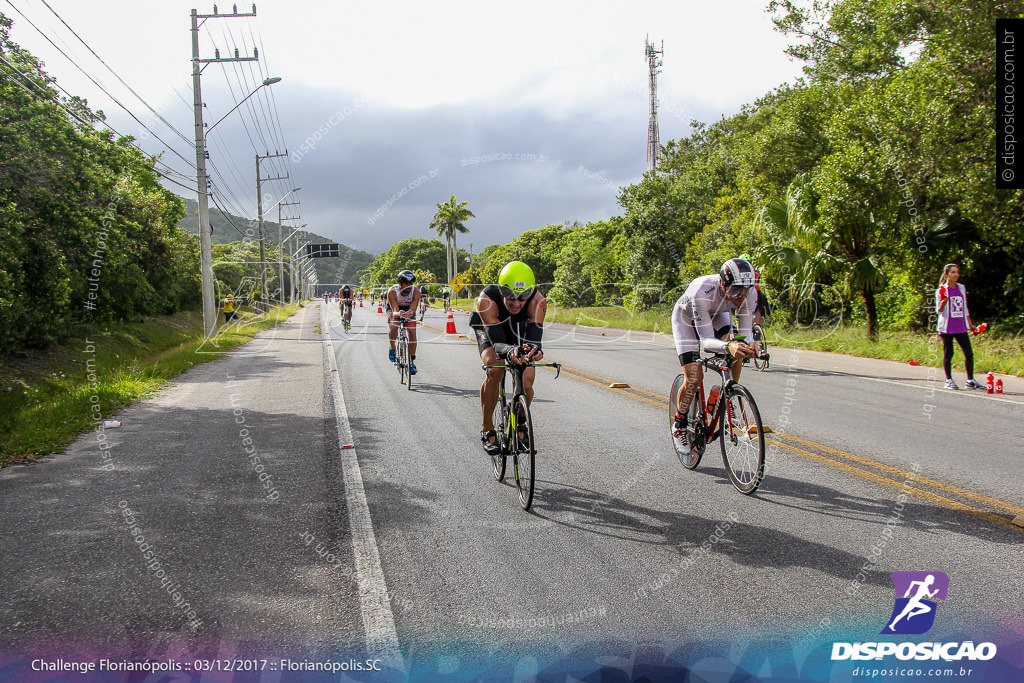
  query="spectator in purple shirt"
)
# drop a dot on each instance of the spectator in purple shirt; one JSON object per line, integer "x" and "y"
{"x": 954, "y": 321}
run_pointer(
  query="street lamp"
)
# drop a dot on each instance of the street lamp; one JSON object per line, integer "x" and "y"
{"x": 267, "y": 81}
{"x": 203, "y": 189}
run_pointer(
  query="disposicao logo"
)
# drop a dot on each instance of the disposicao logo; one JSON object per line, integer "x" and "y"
{"x": 916, "y": 592}
{"x": 914, "y": 613}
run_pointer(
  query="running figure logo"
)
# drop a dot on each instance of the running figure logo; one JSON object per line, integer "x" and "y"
{"x": 914, "y": 611}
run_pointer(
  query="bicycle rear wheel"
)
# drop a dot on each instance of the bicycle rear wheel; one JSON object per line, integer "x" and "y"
{"x": 742, "y": 439}
{"x": 694, "y": 426}
{"x": 522, "y": 449}
{"x": 761, "y": 359}
{"x": 500, "y": 419}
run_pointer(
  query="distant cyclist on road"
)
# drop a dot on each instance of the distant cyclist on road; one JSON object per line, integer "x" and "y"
{"x": 345, "y": 298}
{"x": 424, "y": 300}
{"x": 509, "y": 323}
{"x": 702, "y": 320}
{"x": 761, "y": 308}
{"x": 447, "y": 299}
{"x": 403, "y": 298}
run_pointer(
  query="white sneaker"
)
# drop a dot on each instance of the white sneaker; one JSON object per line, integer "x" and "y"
{"x": 950, "y": 384}
{"x": 680, "y": 440}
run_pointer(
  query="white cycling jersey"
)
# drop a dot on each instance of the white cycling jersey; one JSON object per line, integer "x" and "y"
{"x": 404, "y": 300}
{"x": 701, "y": 309}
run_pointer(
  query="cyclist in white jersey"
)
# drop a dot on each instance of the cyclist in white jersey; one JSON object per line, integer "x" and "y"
{"x": 403, "y": 299}
{"x": 702, "y": 320}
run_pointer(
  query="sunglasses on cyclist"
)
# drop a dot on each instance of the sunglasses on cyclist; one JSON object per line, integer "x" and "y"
{"x": 509, "y": 294}
{"x": 736, "y": 290}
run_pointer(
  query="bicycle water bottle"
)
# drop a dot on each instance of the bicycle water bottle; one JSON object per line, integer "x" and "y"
{"x": 712, "y": 400}
{"x": 999, "y": 386}
{"x": 989, "y": 383}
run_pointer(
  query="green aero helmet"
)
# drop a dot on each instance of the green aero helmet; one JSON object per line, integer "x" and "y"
{"x": 516, "y": 281}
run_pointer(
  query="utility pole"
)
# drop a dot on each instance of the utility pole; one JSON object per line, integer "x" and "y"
{"x": 280, "y": 250}
{"x": 259, "y": 209}
{"x": 653, "y": 62}
{"x": 202, "y": 180}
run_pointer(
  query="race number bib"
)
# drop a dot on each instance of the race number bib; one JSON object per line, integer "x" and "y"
{"x": 956, "y": 307}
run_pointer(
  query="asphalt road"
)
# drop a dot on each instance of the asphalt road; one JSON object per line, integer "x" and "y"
{"x": 374, "y": 527}
{"x": 615, "y": 537}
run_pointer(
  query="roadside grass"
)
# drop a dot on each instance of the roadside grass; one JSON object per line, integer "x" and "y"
{"x": 47, "y": 397}
{"x": 1000, "y": 353}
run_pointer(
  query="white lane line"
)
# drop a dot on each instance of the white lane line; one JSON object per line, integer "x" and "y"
{"x": 374, "y": 604}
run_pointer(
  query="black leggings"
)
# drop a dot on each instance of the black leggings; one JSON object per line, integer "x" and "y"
{"x": 964, "y": 340}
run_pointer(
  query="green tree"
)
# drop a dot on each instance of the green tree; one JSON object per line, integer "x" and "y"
{"x": 588, "y": 272}
{"x": 536, "y": 248}
{"x": 89, "y": 234}
{"x": 414, "y": 254}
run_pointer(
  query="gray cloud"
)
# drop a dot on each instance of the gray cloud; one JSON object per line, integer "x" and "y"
{"x": 372, "y": 174}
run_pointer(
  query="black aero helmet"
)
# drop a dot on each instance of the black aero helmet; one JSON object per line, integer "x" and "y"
{"x": 737, "y": 273}
{"x": 407, "y": 276}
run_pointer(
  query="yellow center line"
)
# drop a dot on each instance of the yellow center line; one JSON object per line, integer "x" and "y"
{"x": 662, "y": 404}
{"x": 609, "y": 381}
{"x": 949, "y": 488}
{"x": 900, "y": 486}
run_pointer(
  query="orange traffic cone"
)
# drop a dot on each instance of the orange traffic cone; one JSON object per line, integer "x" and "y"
{"x": 360, "y": 303}
{"x": 380, "y": 308}
{"x": 450, "y": 328}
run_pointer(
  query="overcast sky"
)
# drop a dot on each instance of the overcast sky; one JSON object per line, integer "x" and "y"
{"x": 534, "y": 112}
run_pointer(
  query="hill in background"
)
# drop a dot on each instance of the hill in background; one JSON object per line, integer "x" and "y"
{"x": 228, "y": 227}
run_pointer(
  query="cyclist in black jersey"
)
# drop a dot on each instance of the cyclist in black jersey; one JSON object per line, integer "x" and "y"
{"x": 345, "y": 299}
{"x": 509, "y": 323}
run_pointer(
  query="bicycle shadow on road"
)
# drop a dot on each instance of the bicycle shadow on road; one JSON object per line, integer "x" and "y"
{"x": 444, "y": 390}
{"x": 744, "y": 542}
{"x": 916, "y": 513}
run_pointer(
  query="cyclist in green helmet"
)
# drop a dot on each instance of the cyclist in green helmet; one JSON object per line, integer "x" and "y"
{"x": 508, "y": 321}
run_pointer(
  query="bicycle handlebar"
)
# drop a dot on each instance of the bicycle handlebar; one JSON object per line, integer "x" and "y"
{"x": 556, "y": 366}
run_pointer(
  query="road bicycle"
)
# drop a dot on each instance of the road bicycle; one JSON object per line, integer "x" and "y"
{"x": 514, "y": 426}
{"x": 402, "y": 358}
{"x": 762, "y": 357}
{"x": 423, "y": 309}
{"x": 734, "y": 420}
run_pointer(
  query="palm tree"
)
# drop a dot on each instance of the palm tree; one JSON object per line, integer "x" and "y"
{"x": 812, "y": 250}
{"x": 448, "y": 222}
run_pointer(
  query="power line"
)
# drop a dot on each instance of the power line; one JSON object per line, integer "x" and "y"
{"x": 52, "y": 99}
{"x": 130, "y": 89}
{"x": 98, "y": 85}
{"x": 226, "y": 215}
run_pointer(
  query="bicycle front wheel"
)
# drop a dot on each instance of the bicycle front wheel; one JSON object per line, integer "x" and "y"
{"x": 522, "y": 448}
{"x": 499, "y": 418}
{"x": 742, "y": 439}
{"x": 400, "y": 360}
{"x": 761, "y": 359}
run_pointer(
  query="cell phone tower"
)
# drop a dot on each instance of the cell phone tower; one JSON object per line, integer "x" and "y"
{"x": 653, "y": 62}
